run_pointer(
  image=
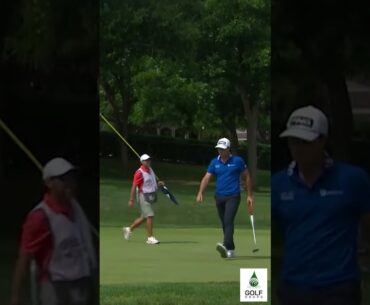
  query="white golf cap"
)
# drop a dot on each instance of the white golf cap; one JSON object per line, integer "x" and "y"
{"x": 144, "y": 157}
{"x": 306, "y": 123}
{"x": 223, "y": 143}
{"x": 56, "y": 167}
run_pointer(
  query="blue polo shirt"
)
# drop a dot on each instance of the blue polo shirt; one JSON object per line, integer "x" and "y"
{"x": 227, "y": 175}
{"x": 320, "y": 224}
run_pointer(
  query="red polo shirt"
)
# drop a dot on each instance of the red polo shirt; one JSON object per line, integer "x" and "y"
{"x": 36, "y": 239}
{"x": 138, "y": 177}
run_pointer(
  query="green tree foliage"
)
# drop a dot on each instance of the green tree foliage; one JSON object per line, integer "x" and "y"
{"x": 41, "y": 32}
{"x": 201, "y": 65}
{"x": 238, "y": 40}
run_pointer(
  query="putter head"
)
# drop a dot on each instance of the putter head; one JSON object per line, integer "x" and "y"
{"x": 255, "y": 250}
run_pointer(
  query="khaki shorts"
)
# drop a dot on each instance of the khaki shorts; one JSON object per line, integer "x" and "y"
{"x": 146, "y": 208}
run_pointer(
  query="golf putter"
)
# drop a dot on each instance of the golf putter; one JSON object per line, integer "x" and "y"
{"x": 254, "y": 234}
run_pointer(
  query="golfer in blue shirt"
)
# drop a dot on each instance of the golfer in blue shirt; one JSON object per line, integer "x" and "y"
{"x": 318, "y": 202}
{"x": 227, "y": 169}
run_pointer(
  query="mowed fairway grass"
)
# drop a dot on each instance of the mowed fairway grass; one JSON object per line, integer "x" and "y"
{"x": 185, "y": 268}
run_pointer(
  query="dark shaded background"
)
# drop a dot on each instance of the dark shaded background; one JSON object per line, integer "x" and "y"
{"x": 51, "y": 104}
{"x": 50, "y": 101}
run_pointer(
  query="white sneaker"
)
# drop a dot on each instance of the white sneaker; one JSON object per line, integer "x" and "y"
{"x": 152, "y": 241}
{"x": 126, "y": 232}
{"x": 222, "y": 250}
{"x": 230, "y": 253}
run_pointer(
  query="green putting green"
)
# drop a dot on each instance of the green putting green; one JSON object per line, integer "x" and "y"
{"x": 184, "y": 255}
{"x": 183, "y": 269}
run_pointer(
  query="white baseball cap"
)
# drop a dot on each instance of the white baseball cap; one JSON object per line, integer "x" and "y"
{"x": 56, "y": 167}
{"x": 145, "y": 157}
{"x": 306, "y": 123}
{"x": 223, "y": 143}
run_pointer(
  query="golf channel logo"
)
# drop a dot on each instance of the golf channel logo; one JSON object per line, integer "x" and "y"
{"x": 253, "y": 285}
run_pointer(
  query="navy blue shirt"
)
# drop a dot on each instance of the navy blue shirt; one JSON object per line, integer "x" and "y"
{"x": 227, "y": 175}
{"x": 320, "y": 223}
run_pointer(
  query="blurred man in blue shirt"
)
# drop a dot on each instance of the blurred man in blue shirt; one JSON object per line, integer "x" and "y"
{"x": 318, "y": 203}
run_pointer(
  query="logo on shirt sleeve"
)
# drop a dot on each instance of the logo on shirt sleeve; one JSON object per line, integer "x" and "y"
{"x": 324, "y": 192}
{"x": 287, "y": 196}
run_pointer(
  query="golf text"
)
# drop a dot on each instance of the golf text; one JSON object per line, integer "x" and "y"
{"x": 253, "y": 285}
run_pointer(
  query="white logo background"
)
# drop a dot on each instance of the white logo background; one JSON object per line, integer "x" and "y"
{"x": 254, "y": 294}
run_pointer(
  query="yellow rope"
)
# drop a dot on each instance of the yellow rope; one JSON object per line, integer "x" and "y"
{"x": 118, "y": 134}
{"x": 20, "y": 145}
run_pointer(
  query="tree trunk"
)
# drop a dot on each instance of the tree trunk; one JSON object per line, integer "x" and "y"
{"x": 232, "y": 135}
{"x": 328, "y": 64}
{"x": 125, "y": 107}
{"x": 251, "y": 113}
{"x": 121, "y": 121}
{"x": 252, "y": 144}
{"x": 124, "y": 129}
{"x": 341, "y": 117}
{"x": 124, "y": 159}
{"x": 234, "y": 140}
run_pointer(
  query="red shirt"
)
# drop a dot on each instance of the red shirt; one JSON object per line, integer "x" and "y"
{"x": 36, "y": 239}
{"x": 138, "y": 177}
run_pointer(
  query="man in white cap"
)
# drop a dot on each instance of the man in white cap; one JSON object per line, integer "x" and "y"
{"x": 227, "y": 169}
{"x": 318, "y": 202}
{"x": 145, "y": 182}
{"x": 57, "y": 236}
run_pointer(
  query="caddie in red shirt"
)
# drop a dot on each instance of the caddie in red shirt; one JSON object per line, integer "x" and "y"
{"x": 146, "y": 182}
{"x": 57, "y": 236}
